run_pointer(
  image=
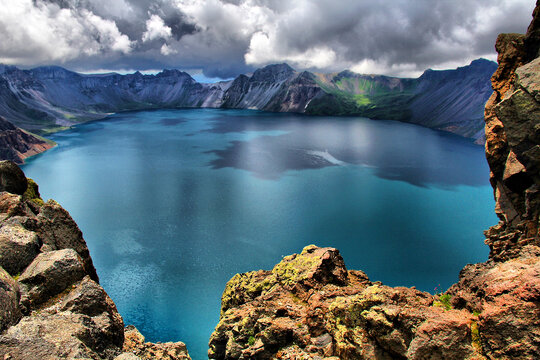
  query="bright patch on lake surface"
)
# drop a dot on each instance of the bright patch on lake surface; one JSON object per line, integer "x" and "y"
{"x": 173, "y": 203}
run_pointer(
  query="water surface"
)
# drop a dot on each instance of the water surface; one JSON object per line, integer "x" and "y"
{"x": 173, "y": 203}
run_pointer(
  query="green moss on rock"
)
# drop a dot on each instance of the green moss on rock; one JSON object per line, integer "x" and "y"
{"x": 32, "y": 193}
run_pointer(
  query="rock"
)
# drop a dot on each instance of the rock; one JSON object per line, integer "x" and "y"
{"x": 62, "y": 335}
{"x": 313, "y": 267}
{"x": 127, "y": 356}
{"x": 492, "y": 311}
{"x": 32, "y": 192}
{"x": 49, "y": 274}
{"x": 18, "y": 248}
{"x": 512, "y": 118}
{"x": 509, "y": 319}
{"x": 82, "y": 323}
{"x": 12, "y": 205}
{"x": 135, "y": 344}
{"x": 89, "y": 298}
{"x": 10, "y": 313}
{"x": 311, "y": 306}
{"x": 12, "y": 178}
{"x": 59, "y": 231}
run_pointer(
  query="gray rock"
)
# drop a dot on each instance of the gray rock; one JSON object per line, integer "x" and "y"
{"x": 59, "y": 231}
{"x": 89, "y": 298}
{"x": 49, "y": 274}
{"x": 18, "y": 247}
{"x": 9, "y": 301}
{"x": 127, "y": 356}
{"x": 12, "y": 178}
{"x": 62, "y": 335}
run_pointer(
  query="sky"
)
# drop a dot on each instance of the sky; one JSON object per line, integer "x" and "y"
{"x": 224, "y": 38}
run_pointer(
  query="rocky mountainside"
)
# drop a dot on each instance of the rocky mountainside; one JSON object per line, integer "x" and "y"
{"x": 49, "y": 98}
{"x": 17, "y": 144}
{"x": 51, "y": 303}
{"x": 309, "y": 306}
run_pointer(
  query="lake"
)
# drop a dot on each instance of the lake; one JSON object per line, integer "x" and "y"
{"x": 173, "y": 203}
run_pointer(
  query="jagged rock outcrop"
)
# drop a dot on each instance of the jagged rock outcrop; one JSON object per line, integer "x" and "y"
{"x": 51, "y": 304}
{"x": 513, "y": 142}
{"x": 311, "y": 307}
{"x": 16, "y": 144}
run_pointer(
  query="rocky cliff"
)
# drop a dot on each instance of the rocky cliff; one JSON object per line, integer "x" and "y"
{"x": 513, "y": 142}
{"x": 16, "y": 144}
{"x": 51, "y": 303}
{"x": 309, "y": 306}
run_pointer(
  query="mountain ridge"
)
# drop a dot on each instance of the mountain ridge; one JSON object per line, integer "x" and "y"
{"x": 49, "y": 98}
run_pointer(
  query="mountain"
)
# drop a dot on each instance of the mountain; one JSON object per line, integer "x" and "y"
{"x": 17, "y": 144}
{"x": 49, "y": 98}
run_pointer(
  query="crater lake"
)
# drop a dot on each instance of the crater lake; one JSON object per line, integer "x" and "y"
{"x": 173, "y": 203}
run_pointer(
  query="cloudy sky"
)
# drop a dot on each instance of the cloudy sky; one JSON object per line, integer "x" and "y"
{"x": 222, "y": 38}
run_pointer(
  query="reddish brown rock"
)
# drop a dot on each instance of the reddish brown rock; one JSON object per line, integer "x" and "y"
{"x": 341, "y": 315}
{"x": 513, "y": 142}
{"x": 135, "y": 344}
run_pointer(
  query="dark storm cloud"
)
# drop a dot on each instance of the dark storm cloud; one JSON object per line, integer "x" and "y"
{"x": 227, "y": 37}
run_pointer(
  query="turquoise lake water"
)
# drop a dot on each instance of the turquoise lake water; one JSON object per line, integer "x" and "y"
{"x": 173, "y": 203}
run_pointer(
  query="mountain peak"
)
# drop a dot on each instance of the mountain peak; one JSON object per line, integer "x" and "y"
{"x": 273, "y": 73}
{"x": 483, "y": 62}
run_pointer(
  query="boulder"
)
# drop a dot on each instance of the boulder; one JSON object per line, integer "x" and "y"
{"x": 83, "y": 323}
{"x": 89, "y": 298}
{"x": 58, "y": 230}
{"x": 62, "y": 335}
{"x": 313, "y": 267}
{"x": 10, "y": 313}
{"x": 18, "y": 248}
{"x": 12, "y": 178}
{"x": 49, "y": 274}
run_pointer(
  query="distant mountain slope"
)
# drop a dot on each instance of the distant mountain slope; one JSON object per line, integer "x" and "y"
{"x": 48, "y": 98}
{"x": 17, "y": 144}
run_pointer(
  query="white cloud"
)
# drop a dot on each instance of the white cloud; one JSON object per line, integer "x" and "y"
{"x": 156, "y": 29}
{"x": 34, "y": 33}
{"x": 263, "y": 49}
{"x": 167, "y": 50}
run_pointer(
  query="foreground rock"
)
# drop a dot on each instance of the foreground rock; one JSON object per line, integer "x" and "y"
{"x": 311, "y": 307}
{"x": 51, "y": 304}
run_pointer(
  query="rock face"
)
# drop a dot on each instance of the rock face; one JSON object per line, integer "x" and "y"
{"x": 311, "y": 307}
{"x": 51, "y": 304}
{"x": 513, "y": 142}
